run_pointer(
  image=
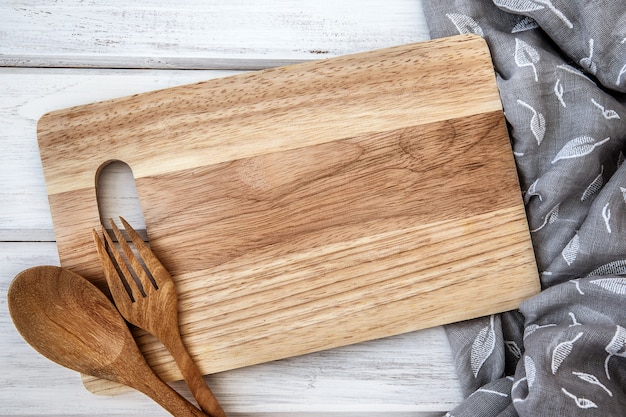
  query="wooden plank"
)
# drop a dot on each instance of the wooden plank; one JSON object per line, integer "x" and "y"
{"x": 312, "y": 206}
{"x": 223, "y": 34}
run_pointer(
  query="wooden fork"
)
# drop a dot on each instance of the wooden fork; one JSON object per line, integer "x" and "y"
{"x": 151, "y": 304}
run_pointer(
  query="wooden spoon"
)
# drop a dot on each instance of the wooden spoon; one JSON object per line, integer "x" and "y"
{"x": 71, "y": 322}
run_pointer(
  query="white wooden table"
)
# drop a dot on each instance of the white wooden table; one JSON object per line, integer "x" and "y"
{"x": 70, "y": 52}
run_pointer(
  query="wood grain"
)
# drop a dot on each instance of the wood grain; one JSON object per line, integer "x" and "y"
{"x": 233, "y": 34}
{"x": 269, "y": 111}
{"x": 310, "y": 206}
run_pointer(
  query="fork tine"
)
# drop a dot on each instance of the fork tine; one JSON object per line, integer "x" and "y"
{"x": 140, "y": 273}
{"x": 127, "y": 276}
{"x": 110, "y": 271}
{"x": 153, "y": 264}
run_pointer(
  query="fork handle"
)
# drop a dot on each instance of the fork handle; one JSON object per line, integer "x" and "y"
{"x": 193, "y": 377}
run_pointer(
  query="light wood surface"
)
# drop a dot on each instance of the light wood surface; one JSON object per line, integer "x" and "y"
{"x": 401, "y": 376}
{"x": 233, "y": 34}
{"x": 312, "y": 206}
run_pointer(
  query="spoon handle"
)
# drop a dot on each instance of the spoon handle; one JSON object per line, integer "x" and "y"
{"x": 166, "y": 397}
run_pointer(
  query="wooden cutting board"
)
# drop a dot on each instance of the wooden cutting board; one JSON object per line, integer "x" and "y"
{"x": 311, "y": 206}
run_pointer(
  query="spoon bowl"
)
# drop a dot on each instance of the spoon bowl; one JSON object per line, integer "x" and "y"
{"x": 70, "y": 321}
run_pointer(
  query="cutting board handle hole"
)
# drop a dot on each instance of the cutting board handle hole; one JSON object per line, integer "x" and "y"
{"x": 117, "y": 196}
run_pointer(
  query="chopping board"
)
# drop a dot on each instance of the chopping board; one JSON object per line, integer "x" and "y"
{"x": 311, "y": 206}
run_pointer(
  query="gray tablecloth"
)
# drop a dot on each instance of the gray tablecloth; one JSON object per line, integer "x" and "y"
{"x": 561, "y": 72}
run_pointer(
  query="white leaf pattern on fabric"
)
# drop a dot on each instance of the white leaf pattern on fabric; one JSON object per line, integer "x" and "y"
{"x": 612, "y": 268}
{"x": 619, "y": 76}
{"x": 576, "y": 282}
{"x": 615, "y": 348}
{"x": 608, "y": 114}
{"x": 529, "y": 6}
{"x": 483, "y": 346}
{"x": 531, "y": 370}
{"x": 593, "y": 380}
{"x": 595, "y": 186}
{"x": 513, "y": 348}
{"x": 570, "y": 252}
{"x": 534, "y": 327}
{"x": 527, "y": 23}
{"x": 623, "y": 190}
{"x": 532, "y": 191}
{"x": 606, "y": 215}
{"x": 517, "y": 384}
{"x": 518, "y": 5}
{"x": 587, "y": 62}
{"x": 537, "y": 122}
{"x": 557, "y": 12}
{"x": 551, "y": 217}
{"x": 490, "y": 391}
{"x": 578, "y": 147}
{"x": 554, "y": 214}
{"x": 465, "y": 24}
{"x": 615, "y": 285}
{"x": 562, "y": 351}
{"x": 580, "y": 402}
{"x": 575, "y": 71}
{"x": 559, "y": 91}
{"x": 574, "y": 321}
{"x": 526, "y": 56}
